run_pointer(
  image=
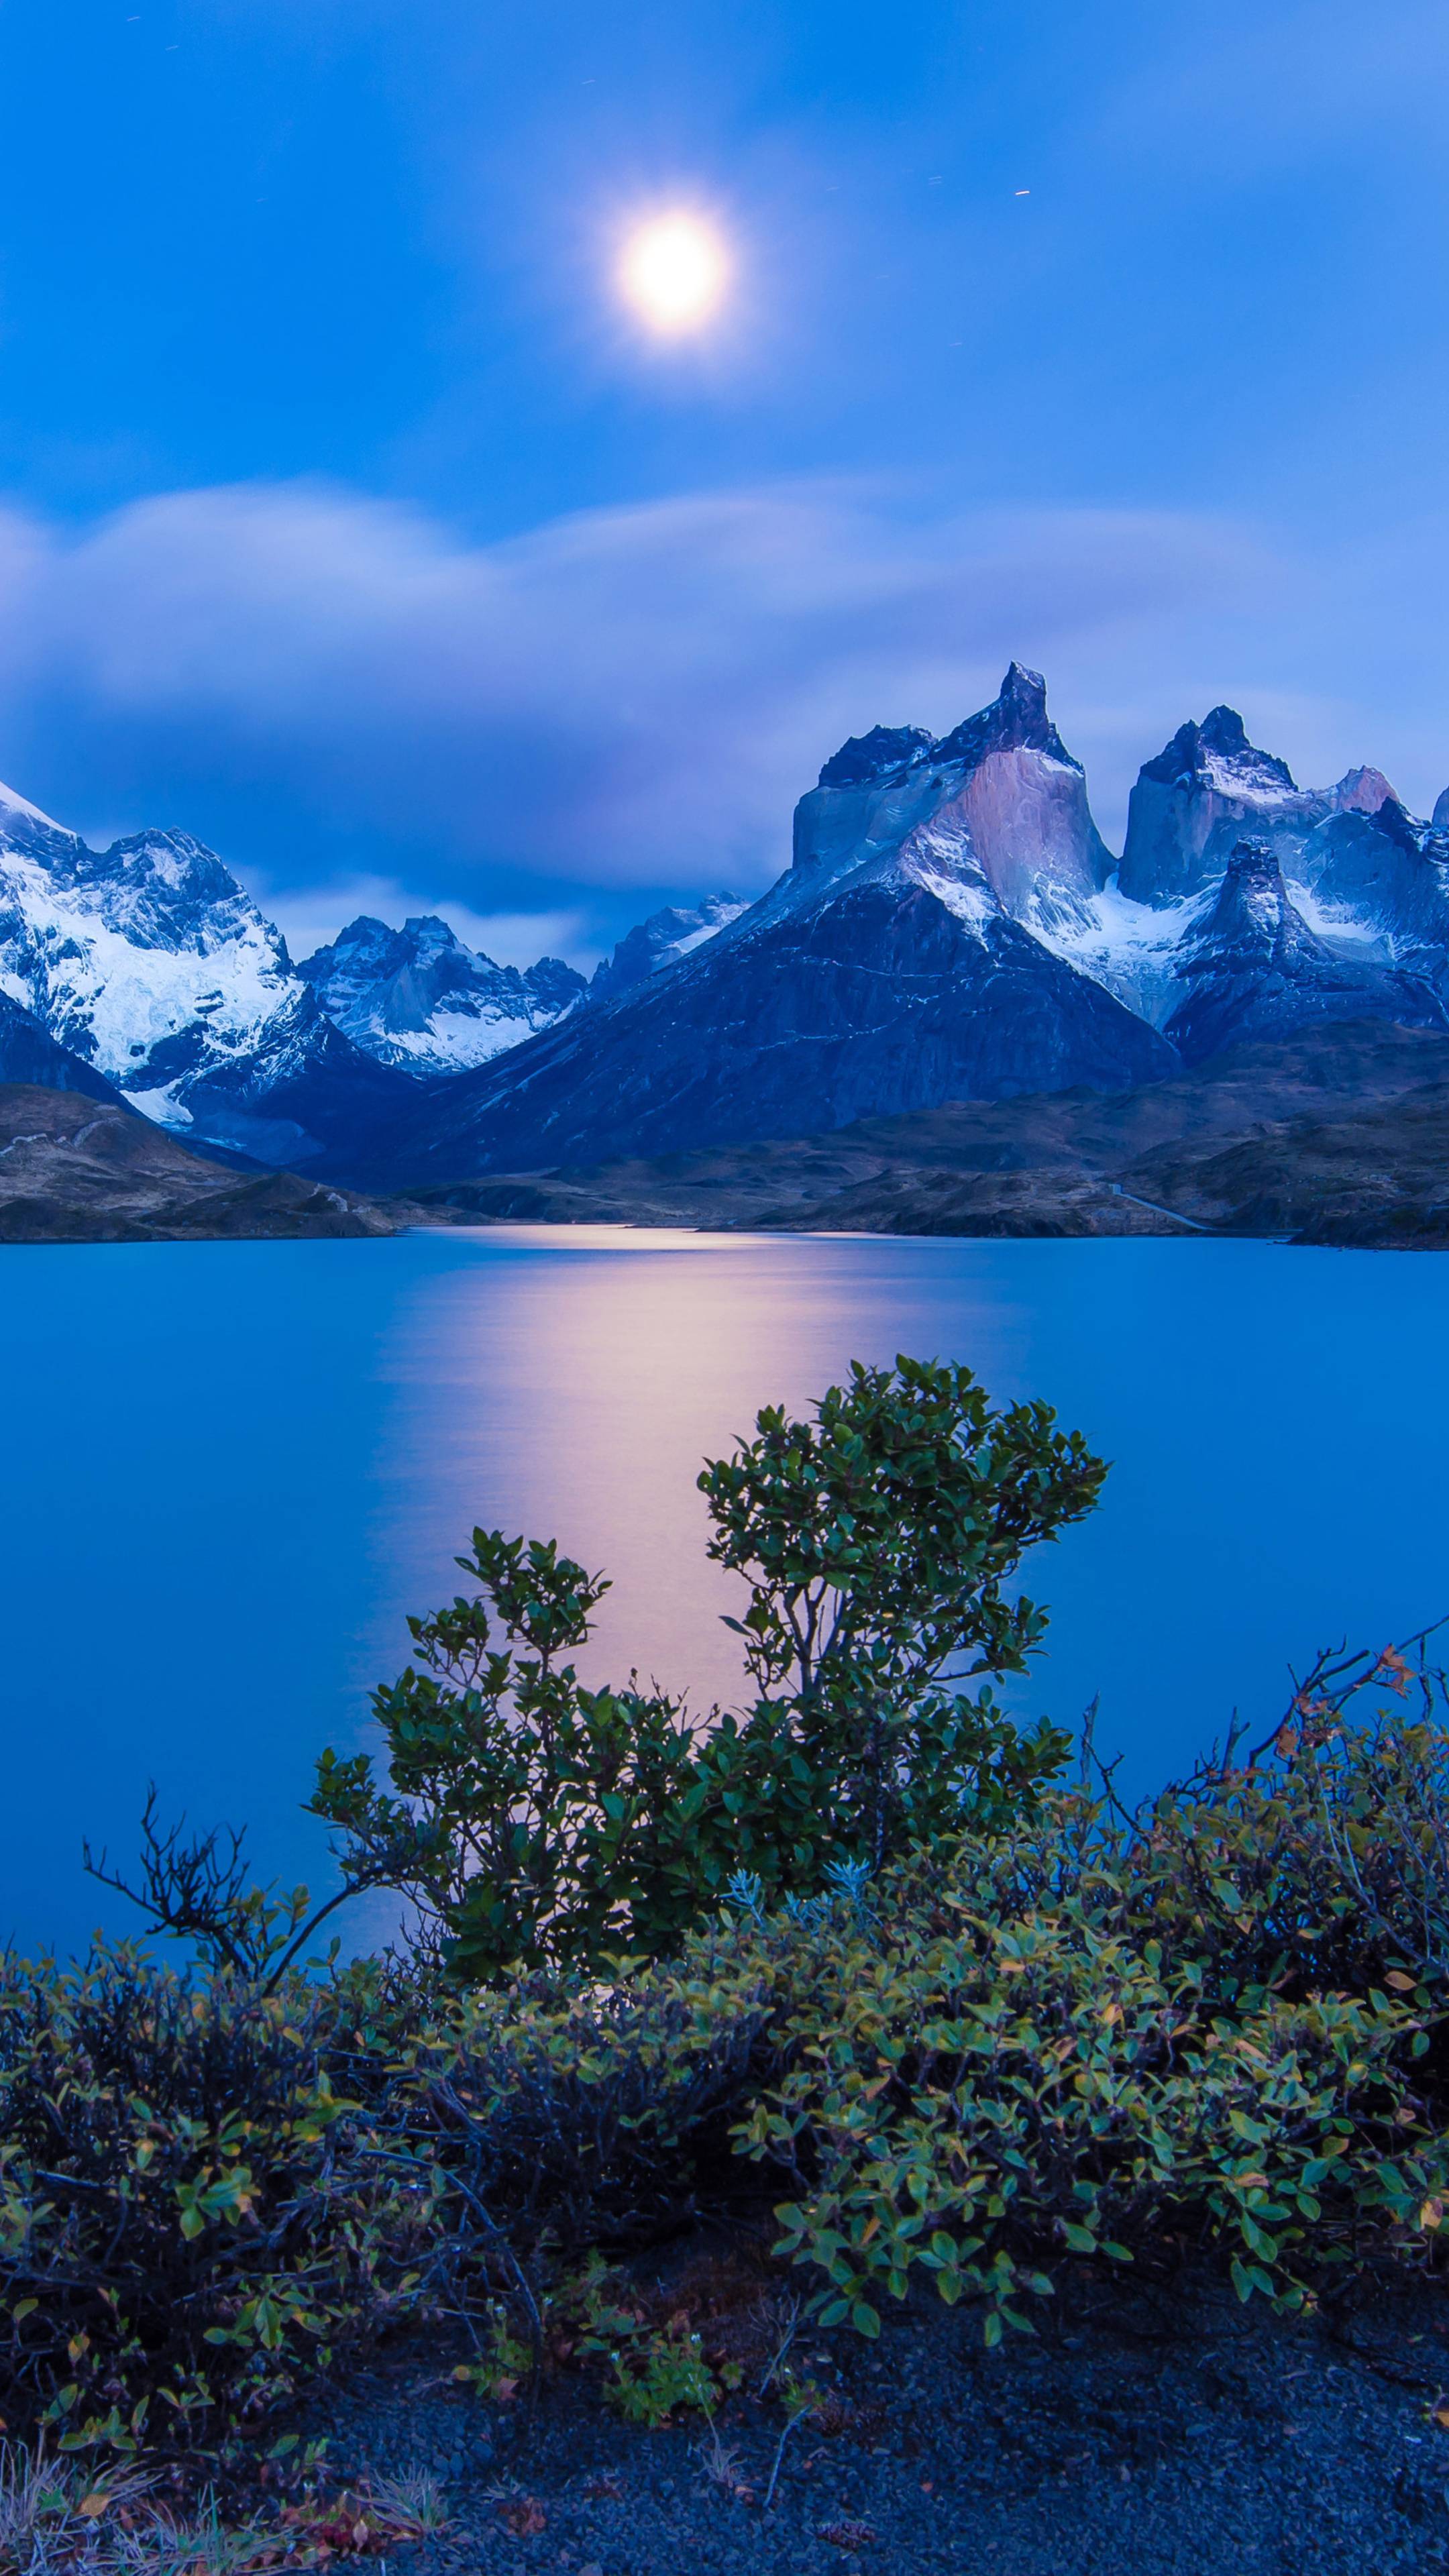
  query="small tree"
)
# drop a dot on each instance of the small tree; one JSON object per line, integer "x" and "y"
{"x": 531, "y": 1802}
{"x": 876, "y": 1542}
{"x": 544, "y": 1823}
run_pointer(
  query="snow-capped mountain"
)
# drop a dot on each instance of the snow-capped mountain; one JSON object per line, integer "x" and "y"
{"x": 419, "y": 999}
{"x": 150, "y": 964}
{"x": 889, "y": 969}
{"x": 143, "y": 959}
{"x": 1360, "y": 876}
{"x": 951, "y": 926}
{"x": 661, "y": 941}
{"x": 1254, "y": 969}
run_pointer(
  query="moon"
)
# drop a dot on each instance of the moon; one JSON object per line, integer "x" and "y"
{"x": 673, "y": 271}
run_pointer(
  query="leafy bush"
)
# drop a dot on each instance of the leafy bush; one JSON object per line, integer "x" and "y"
{"x": 1075, "y": 2039}
{"x": 977, "y": 2101}
{"x": 1317, "y": 1862}
{"x": 533, "y": 1822}
{"x": 944, "y": 2091}
{"x": 190, "y": 2214}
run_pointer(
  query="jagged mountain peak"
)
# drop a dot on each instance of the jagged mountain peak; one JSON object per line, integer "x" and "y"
{"x": 1254, "y": 909}
{"x": 866, "y": 757}
{"x": 1002, "y": 786}
{"x": 1441, "y": 811}
{"x": 1016, "y": 720}
{"x": 1362, "y": 791}
{"x": 1254, "y": 968}
{"x": 1198, "y": 753}
{"x": 420, "y": 999}
{"x": 667, "y": 936}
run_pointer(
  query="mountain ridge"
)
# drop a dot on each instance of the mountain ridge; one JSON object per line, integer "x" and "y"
{"x": 951, "y": 925}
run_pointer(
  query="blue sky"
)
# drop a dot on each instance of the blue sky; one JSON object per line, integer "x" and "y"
{"x": 347, "y": 520}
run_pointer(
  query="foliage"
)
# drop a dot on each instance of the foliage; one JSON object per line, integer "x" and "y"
{"x": 1210, "y": 2028}
{"x": 536, "y": 1820}
{"x": 977, "y": 2100}
{"x": 855, "y": 1965}
{"x": 189, "y": 2215}
{"x": 1319, "y": 1861}
{"x": 533, "y": 1821}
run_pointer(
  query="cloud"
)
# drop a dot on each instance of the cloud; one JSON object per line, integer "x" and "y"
{"x": 343, "y": 691}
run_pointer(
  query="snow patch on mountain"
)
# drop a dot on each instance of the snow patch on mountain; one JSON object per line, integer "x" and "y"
{"x": 146, "y": 946}
{"x": 417, "y": 998}
{"x": 661, "y": 941}
{"x": 1130, "y": 947}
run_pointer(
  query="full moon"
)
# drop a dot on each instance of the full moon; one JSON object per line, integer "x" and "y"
{"x": 673, "y": 271}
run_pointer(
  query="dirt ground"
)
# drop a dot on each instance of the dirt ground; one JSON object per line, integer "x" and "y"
{"x": 1143, "y": 2430}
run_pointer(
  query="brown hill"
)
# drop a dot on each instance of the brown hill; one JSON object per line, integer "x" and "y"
{"x": 77, "y": 1170}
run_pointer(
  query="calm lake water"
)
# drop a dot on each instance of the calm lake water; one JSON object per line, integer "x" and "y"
{"x": 231, "y": 1468}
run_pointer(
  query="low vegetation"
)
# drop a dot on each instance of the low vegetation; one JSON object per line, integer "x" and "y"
{"x": 861, "y": 1977}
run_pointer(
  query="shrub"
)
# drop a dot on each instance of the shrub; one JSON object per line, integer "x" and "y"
{"x": 1081, "y": 2036}
{"x": 534, "y": 1822}
{"x": 950, "y": 2084}
{"x": 190, "y": 2217}
{"x": 976, "y": 2100}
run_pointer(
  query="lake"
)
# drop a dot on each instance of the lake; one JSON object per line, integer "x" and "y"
{"x": 232, "y": 1468}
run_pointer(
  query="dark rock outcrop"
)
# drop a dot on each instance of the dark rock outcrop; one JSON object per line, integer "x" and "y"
{"x": 28, "y": 1053}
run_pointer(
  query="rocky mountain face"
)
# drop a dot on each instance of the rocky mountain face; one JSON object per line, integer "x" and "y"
{"x": 301, "y": 1093}
{"x": 952, "y": 927}
{"x": 661, "y": 941}
{"x": 148, "y": 948}
{"x": 1004, "y": 780}
{"x": 887, "y": 970}
{"x": 28, "y": 1053}
{"x": 146, "y": 970}
{"x": 419, "y": 999}
{"x": 1254, "y": 969}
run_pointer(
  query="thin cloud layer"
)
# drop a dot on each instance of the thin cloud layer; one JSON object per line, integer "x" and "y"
{"x": 334, "y": 687}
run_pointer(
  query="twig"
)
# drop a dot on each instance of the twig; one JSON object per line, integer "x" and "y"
{"x": 797, "y": 2418}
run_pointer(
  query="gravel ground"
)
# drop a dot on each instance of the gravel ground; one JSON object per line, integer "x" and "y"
{"x": 1144, "y": 2432}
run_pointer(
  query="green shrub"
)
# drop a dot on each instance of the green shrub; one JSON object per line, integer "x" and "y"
{"x": 950, "y": 2084}
{"x": 1071, "y": 2040}
{"x": 534, "y": 1822}
{"x": 855, "y": 1966}
{"x": 190, "y": 2217}
{"x": 976, "y": 2100}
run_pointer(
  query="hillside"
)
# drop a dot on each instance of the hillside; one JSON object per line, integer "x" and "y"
{"x": 1335, "y": 1134}
{"x": 77, "y": 1170}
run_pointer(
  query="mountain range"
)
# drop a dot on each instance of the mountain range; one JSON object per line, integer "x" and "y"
{"x": 952, "y": 927}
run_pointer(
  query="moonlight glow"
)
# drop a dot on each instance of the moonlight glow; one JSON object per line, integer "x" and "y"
{"x": 673, "y": 271}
